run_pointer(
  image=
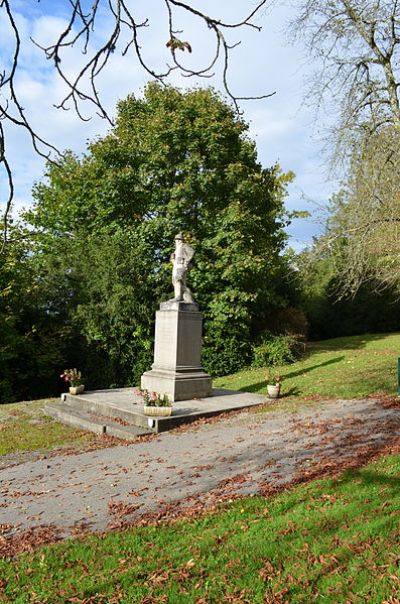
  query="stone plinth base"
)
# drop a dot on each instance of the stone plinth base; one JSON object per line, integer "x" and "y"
{"x": 178, "y": 386}
{"x": 177, "y": 369}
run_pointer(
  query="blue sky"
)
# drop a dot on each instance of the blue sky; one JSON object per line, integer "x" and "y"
{"x": 282, "y": 126}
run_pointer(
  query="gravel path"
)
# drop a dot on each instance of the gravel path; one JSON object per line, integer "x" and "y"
{"x": 243, "y": 454}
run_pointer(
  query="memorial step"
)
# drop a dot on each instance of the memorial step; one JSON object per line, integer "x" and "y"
{"x": 94, "y": 402}
{"x": 85, "y": 420}
{"x": 120, "y": 406}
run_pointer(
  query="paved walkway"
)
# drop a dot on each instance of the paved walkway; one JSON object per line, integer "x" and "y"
{"x": 244, "y": 454}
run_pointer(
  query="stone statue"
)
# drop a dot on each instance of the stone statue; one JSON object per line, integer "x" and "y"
{"x": 177, "y": 371}
{"x": 181, "y": 259}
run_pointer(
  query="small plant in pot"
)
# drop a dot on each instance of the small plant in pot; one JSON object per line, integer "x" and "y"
{"x": 73, "y": 377}
{"x": 156, "y": 405}
{"x": 274, "y": 385}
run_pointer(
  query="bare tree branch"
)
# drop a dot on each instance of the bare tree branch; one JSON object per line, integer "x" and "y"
{"x": 357, "y": 45}
{"x": 124, "y": 35}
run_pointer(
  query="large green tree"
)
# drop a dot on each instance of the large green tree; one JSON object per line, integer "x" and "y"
{"x": 104, "y": 227}
{"x": 35, "y": 335}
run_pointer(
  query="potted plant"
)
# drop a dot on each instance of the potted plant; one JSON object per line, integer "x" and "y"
{"x": 274, "y": 385}
{"x": 156, "y": 405}
{"x": 74, "y": 378}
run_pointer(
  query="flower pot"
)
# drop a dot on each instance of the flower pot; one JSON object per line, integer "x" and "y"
{"x": 76, "y": 389}
{"x": 273, "y": 390}
{"x": 157, "y": 411}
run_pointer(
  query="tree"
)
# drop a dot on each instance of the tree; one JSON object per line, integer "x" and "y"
{"x": 35, "y": 335}
{"x": 340, "y": 277}
{"x": 362, "y": 234}
{"x": 368, "y": 310}
{"x": 174, "y": 162}
{"x": 357, "y": 45}
{"x": 124, "y": 34}
{"x": 367, "y": 222}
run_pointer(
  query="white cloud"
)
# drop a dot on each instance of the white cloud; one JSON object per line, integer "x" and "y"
{"x": 261, "y": 64}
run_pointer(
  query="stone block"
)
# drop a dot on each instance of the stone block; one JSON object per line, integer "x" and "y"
{"x": 177, "y": 369}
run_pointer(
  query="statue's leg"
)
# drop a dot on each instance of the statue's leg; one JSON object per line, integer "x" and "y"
{"x": 178, "y": 290}
{"x": 188, "y": 296}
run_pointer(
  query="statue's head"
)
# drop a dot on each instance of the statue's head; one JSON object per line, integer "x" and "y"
{"x": 179, "y": 237}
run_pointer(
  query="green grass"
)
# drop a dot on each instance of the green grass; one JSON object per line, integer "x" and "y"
{"x": 352, "y": 367}
{"x": 332, "y": 540}
{"x": 24, "y": 427}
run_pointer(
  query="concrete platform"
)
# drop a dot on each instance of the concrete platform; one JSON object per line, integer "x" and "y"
{"x": 100, "y": 410}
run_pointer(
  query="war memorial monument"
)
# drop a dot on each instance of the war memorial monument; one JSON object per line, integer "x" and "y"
{"x": 177, "y": 369}
{"x": 176, "y": 372}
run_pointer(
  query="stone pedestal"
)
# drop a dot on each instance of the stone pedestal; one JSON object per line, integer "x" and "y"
{"x": 177, "y": 369}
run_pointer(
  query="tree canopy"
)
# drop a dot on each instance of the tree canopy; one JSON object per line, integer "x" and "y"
{"x": 362, "y": 234}
{"x": 102, "y": 228}
{"x": 350, "y": 277}
{"x": 357, "y": 47}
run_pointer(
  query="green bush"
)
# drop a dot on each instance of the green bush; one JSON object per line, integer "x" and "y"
{"x": 275, "y": 350}
{"x": 225, "y": 355}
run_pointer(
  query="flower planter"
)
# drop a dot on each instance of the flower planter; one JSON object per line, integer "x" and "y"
{"x": 157, "y": 411}
{"x": 273, "y": 390}
{"x": 76, "y": 389}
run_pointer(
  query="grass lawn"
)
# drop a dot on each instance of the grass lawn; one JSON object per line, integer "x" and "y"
{"x": 352, "y": 367}
{"x": 24, "y": 427}
{"x": 332, "y": 540}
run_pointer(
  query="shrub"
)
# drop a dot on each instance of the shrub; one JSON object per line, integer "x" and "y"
{"x": 225, "y": 354}
{"x": 275, "y": 350}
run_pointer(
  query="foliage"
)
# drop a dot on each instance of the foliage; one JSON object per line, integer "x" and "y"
{"x": 104, "y": 228}
{"x": 368, "y": 220}
{"x": 34, "y": 333}
{"x": 357, "y": 44}
{"x": 350, "y": 367}
{"x": 348, "y": 278}
{"x": 307, "y": 544}
{"x": 274, "y": 350}
{"x": 290, "y": 321}
{"x": 117, "y": 301}
{"x": 369, "y": 311}
{"x": 9, "y": 297}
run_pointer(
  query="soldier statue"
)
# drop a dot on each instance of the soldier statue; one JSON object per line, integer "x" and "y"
{"x": 181, "y": 259}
